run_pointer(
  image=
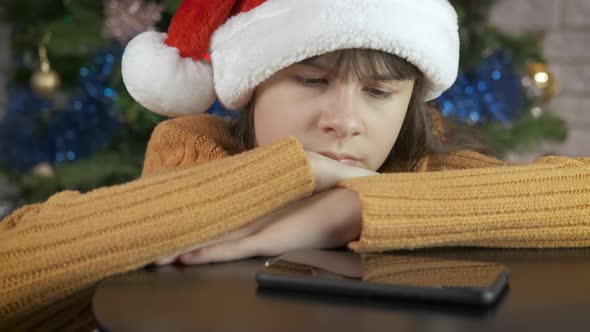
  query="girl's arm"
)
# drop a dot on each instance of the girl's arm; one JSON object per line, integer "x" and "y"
{"x": 73, "y": 240}
{"x": 334, "y": 217}
{"x": 544, "y": 204}
{"x": 328, "y": 219}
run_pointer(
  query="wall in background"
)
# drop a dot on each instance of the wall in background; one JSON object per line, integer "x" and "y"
{"x": 565, "y": 25}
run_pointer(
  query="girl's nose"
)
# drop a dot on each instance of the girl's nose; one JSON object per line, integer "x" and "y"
{"x": 340, "y": 113}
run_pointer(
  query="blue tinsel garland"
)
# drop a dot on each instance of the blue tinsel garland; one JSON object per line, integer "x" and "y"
{"x": 36, "y": 130}
{"x": 492, "y": 92}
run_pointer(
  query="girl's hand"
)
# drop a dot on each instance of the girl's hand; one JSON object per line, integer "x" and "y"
{"x": 243, "y": 232}
{"x": 329, "y": 172}
{"x": 326, "y": 220}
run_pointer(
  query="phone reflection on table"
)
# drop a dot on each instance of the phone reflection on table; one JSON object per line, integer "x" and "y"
{"x": 400, "y": 277}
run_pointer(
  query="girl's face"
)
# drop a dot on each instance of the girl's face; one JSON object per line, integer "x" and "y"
{"x": 344, "y": 118}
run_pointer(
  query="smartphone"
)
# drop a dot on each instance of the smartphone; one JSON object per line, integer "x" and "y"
{"x": 386, "y": 276}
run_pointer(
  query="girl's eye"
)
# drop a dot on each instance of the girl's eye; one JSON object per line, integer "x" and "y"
{"x": 380, "y": 93}
{"x": 311, "y": 81}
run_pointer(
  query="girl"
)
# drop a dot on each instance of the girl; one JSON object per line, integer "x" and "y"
{"x": 335, "y": 147}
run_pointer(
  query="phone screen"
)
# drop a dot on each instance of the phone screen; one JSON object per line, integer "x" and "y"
{"x": 386, "y": 275}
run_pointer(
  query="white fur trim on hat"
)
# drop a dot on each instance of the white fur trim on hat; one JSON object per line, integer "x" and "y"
{"x": 252, "y": 46}
{"x": 160, "y": 80}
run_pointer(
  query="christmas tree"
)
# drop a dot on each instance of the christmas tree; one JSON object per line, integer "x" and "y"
{"x": 70, "y": 124}
{"x": 504, "y": 85}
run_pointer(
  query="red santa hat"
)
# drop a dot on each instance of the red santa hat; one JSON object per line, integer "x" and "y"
{"x": 250, "y": 40}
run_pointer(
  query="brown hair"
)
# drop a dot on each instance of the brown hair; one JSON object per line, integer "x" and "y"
{"x": 423, "y": 132}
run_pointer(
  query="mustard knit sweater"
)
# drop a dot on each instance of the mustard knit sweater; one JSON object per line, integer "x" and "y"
{"x": 196, "y": 186}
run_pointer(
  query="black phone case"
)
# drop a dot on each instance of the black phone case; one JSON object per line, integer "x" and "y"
{"x": 460, "y": 295}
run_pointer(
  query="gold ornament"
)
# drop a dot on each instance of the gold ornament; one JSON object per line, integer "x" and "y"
{"x": 44, "y": 170}
{"x": 44, "y": 81}
{"x": 541, "y": 81}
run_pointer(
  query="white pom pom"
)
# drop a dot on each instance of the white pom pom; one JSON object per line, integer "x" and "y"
{"x": 165, "y": 83}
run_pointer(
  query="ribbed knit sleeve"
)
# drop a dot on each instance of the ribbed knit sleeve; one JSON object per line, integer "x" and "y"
{"x": 73, "y": 240}
{"x": 544, "y": 204}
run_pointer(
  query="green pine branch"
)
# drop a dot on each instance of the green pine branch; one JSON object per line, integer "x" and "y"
{"x": 119, "y": 164}
{"x": 526, "y": 134}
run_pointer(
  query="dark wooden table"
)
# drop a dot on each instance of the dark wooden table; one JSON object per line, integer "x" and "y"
{"x": 549, "y": 291}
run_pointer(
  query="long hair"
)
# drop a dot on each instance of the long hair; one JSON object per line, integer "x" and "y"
{"x": 423, "y": 132}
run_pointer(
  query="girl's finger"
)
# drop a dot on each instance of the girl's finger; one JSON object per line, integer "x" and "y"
{"x": 227, "y": 238}
{"x": 232, "y": 250}
{"x": 166, "y": 260}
